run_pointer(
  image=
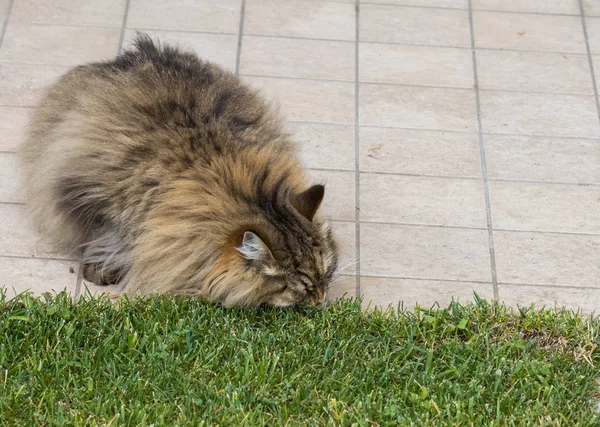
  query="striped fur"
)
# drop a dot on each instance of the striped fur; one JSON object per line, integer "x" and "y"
{"x": 158, "y": 164}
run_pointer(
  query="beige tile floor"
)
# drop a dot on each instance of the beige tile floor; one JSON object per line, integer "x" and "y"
{"x": 459, "y": 139}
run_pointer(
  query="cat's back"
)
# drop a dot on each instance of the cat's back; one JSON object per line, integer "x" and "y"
{"x": 114, "y": 135}
{"x": 156, "y": 88}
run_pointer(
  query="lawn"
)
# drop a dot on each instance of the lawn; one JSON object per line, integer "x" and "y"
{"x": 178, "y": 361}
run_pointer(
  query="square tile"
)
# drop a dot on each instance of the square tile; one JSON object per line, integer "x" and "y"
{"x": 324, "y": 146}
{"x": 596, "y": 63}
{"x": 309, "y": 100}
{"x": 414, "y": 25}
{"x": 219, "y": 48}
{"x": 542, "y": 159}
{"x": 4, "y": 4}
{"x": 586, "y": 300}
{"x": 382, "y": 292}
{"x": 534, "y": 71}
{"x": 593, "y": 31}
{"x": 545, "y": 207}
{"x": 108, "y": 13}
{"x": 419, "y": 152}
{"x": 452, "y": 4}
{"x": 422, "y": 200}
{"x": 547, "y": 259}
{"x": 297, "y": 18}
{"x": 22, "y": 84}
{"x": 17, "y": 237}
{"x": 60, "y": 45}
{"x": 338, "y": 203}
{"x": 517, "y": 31}
{"x": 13, "y": 124}
{"x": 418, "y": 107}
{"x": 591, "y": 7}
{"x": 10, "y": 177}
{"x": 425, "y": 252}
{"x": 345, "y": 234}
{"x": 539, "y": 114}
{"x": 343, "y": 286}
{"x": 532, "y": 6}
{"x": 416, "y": 65}
{"x": 38, "y": 276}
{"x": 313, "y": 59}
{"x": 185, "y": 15}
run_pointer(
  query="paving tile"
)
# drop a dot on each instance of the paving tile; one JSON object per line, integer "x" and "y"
{"x": 4, "y": 4}
{"x": 324, "y": 146}
{"x": 345, "y": 233}
{"x": 596, "y": 63}
{"x": 422, "y": 200}
{"x": 533, "y": 71}
{"x": 416, "y": 65}
{"x": 339, "y": 193}
{"x": 425, "y": 252}
{"x": 18, "y": 275}
{"x": 547, "y": 259}
{"x": 532, "y": 6}
{"x": 13, "y": 123}
{"x": 539, "y": 114}
{"x": 586, "y": 300}
{"x": 454, "y": 4}
{"x": 343, "y": 286}
{"x": 219, "y": 48}
{"x": 185, "y": 15}
{"x": 419, "y": 152}
{"x": 528, "y": 32}
{"x": 297, "y": 18}
{"x": 61, "y": 45}
{"x": 107, "y": 13}
{"x": 17, "y": 237}
{"x": 22, "y": 83}
{"x": 593, "y": 31}
{"x": 542, "y": 159}
{"x": 309, "y": 100}
{"x": 414, "y": 25}
{"x": 313, "y": 59}
{"x": 545, "y": 207}
{"x": 382, "y": 292}
{"x": 418, "y": 107}
{"x": 10, "y": 190}
{"x": 591, "y": 7}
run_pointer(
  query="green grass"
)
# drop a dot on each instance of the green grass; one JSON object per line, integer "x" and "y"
{"x": 185, "y": 362}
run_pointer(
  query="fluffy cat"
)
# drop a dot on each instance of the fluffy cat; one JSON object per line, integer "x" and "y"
{"x": 175, "y": 177}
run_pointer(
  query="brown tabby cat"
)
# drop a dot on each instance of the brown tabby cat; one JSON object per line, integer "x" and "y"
{"x": 175, "y": 177}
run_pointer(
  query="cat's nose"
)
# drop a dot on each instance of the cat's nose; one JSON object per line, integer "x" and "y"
{"x": 318, "y": 296}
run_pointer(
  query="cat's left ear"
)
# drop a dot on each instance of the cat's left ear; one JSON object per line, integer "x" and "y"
{"x": 253, "y": 248}
{"x": 307, "y": 202}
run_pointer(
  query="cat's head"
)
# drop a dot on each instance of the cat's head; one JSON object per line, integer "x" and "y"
{"x": 286, "y": 256}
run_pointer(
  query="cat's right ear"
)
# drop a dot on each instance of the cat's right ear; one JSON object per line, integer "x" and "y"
{"x": 253, "y": 248}
{"x": 309, "y": 201}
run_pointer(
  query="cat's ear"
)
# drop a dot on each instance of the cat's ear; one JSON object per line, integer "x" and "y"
{"x": 253, "y": 248}
{"x": 307, "y": 202}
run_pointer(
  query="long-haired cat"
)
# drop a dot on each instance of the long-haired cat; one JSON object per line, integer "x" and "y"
{"x": 175, "y": 177}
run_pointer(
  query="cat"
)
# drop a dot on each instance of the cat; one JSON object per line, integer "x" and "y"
{"x": 173, "y": 176}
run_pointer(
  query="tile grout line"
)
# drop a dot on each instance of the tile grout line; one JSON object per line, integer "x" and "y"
{"x": 123, "y": 27}
{"x": 5, "y": 23}
{"x": 488, "y": 209}
{"x": 417, "y": 6}
{"x": 589, "y": 55}
{"x": 357, "y": 147}
{"x": 238, "y": 54}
